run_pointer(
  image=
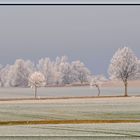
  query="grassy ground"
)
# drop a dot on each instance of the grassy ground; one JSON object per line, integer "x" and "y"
{"x": 99, "y": 110}
{"x": 79, "y": 109}
{"x": 79, "y": 131}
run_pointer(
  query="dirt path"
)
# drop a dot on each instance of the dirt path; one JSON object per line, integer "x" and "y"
{"x": 65, "y": 122}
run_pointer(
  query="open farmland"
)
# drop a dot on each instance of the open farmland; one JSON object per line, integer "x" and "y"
{"x": 120, "y": 129}
{"x": 113, "y": 108}
{"x": 92, "y": 109}
{"x": 54, "y": 92}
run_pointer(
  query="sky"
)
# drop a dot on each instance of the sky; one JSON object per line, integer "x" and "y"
{"x": 90, "y": 34}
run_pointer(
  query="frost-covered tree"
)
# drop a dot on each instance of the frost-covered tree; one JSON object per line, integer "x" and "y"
{"x": 61, "y": 71}
{"x": 58, "y": 72}
{"x": 80, "y": 71}
{"x": 57, "y": 75}
{"x": 4, "y": 76}
{"x": 97, "y": 81}
{"x": 1, "y": 67}
{"x": 65, "y": 72}
{"x": 46, "y": 67}
{"x": 36, "y": 80}
{"x": 18, "y": 73}
{"x": 51, "y": 70}
{"x": 138, "y": 73}
{"x": 123, "y": 66}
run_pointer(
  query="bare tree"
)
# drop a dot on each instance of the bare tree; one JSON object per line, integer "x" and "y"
{"x": 97, "y": 81}
{"x": 124, "y": 66}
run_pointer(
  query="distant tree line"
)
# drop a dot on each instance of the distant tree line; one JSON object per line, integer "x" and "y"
{"x": 58, "y": 72}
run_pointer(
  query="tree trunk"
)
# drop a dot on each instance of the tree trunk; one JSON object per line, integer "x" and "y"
{"x": 98, "y": 90}
{"x": 125, "y": 85}
{"x": 35, "y": 92}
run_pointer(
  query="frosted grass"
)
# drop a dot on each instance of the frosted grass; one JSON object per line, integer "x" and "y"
{"x": 64, "y": 91}
{"x": 102, "y": 109}
{"x": 79, "y": 130}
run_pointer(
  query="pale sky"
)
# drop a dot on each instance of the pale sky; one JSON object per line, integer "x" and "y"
{"x": 88, "y": 33}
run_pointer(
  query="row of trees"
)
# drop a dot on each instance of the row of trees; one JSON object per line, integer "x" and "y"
{"x": 124, "y": 66}
{"x": 37, "y": 79}
{"x": 58, "y": 72}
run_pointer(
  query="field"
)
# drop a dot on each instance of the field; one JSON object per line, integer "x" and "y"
{"x": 98, "y": 111}
{"x": 78, "y": 130}
{"x": 112, "y": 108}
{"x": 66, "y": 92}
{"x": 120, "y": 108}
